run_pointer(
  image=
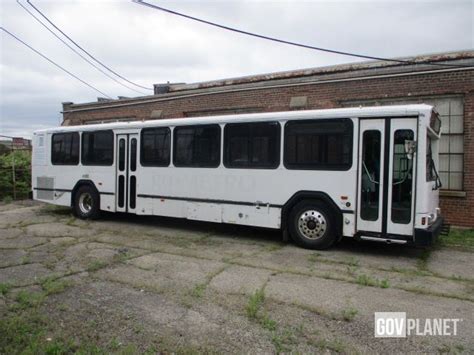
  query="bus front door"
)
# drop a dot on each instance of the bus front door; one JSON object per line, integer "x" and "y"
{"x": 386, "y": 181}
{"x": 126, "y": 181}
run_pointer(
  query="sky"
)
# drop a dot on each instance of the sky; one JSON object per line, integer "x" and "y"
{"x": 149, "y": 47}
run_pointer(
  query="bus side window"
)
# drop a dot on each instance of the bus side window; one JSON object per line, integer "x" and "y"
{"x": 98, "y": 148}
{"x": 65, "y": 148}
{"x": 155, "y": 146}
{"x": 318, "y": 144}
{"x": 252, "y": 145}
{"x": 197, "y": 146}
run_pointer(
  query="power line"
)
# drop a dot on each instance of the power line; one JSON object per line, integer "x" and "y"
{"x": 83, "y": 50}
{"x": 54, "y": 63}
{"x": 228, "y": 28}
{"x": 75, "y": 51}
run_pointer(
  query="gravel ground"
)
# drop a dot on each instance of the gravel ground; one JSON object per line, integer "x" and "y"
{"x": 130, "y": 284}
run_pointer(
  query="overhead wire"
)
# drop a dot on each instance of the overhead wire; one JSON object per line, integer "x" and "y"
{"x": 54, "y": 63}
{"x": 274, "y": 39}
{"x": 83, "y": 50}
{"x": 75, "y": 51}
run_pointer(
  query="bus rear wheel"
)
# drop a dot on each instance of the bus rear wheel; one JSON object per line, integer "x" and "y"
{"x": 311, "y": 225}
{"x": 86, "y": 203}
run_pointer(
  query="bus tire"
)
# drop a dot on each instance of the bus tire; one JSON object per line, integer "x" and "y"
{"x": 86, "y": 203}
{"x": 312, "y": 225}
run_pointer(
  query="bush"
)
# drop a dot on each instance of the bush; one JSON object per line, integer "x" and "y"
{"x": 21, "y": 160}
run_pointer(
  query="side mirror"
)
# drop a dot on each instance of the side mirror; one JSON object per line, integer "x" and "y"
{"x": 410, "y": 148}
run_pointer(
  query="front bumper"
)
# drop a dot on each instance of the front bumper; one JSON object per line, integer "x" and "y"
{"x": 428, "y": 236}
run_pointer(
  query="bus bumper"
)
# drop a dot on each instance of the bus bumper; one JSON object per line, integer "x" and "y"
{"x": 428, "y": 236}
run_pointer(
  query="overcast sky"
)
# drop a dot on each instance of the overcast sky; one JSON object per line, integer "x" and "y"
{"x": 149, "y": 46}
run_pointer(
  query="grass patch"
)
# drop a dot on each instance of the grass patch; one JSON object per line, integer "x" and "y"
{"x": 198, "y": 290}
{"x": 52, "y": 286}
{"x": 422, "y": 262}
{"x": 366, "y": 280}
{"x": 459, "y": 238}
{"x": 334, "y": 345}
{"x": 349, "y": 314}
{"x": 26, "y": 299}
{"x": 267, "y": 323}
{"x": 96, "y": 265}
{"x": 254, "y": 303}
{"x": 4, "y": 288}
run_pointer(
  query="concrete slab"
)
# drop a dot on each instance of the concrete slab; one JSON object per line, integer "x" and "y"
{"x": 239, "y": 279}
{"x": 452, "y": 263}
{"x": 23, "y": 275}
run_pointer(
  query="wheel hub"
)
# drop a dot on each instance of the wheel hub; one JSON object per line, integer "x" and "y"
{"x": 312, "y": 224}
{"x": 85, "y": 202}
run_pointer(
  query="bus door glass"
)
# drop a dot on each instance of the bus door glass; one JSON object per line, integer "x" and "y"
{"x": 126, "y": 185}
{"x": 387, "y": 164}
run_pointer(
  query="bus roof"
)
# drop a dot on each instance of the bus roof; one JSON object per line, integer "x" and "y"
{"x": 355, "y": 112}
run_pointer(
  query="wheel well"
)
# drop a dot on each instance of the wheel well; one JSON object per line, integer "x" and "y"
{"x": 314, "y": 196}
{"x": 78, "y": 185}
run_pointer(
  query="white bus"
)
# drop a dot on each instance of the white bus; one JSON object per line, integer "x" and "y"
{"x": 317, "y": 175}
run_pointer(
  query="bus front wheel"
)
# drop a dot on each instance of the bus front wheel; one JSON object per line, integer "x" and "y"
{"x": 86, "y": 203}
{"x": 311, "y": 225}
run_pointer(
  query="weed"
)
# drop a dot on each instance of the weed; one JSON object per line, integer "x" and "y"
{"x": 451, "y": 349}
{"x": 334, "y": 345}
{"x": 267, "y": 323}
{"x": 314, "y": 257}
{"x": 349, "y": 314}
{"x": 458, "y": 238}
{"x": 4, "y": 288}
{"x": 366, "y": 280}
{"x": 352, "y": 261}
{"x": 52, "y": 285}
{"x": 96, "y": 265}
{"x": 255, "y": 302}
{"x": 27, "y": 299}
{"x": 384, "y": 283}
{"x": 7, "y": 200}
{"x": 422, "y": 263}
{"x": 25, "y": 260}
{"x": 198, "y": 290}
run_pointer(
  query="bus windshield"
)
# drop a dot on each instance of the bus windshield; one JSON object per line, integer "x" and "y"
{"x": 431, "y": 171}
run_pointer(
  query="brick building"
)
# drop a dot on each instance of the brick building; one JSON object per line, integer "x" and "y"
{"x": 449, "y": 88}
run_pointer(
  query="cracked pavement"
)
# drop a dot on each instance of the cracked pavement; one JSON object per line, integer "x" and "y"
{"x": 185, "y": 286}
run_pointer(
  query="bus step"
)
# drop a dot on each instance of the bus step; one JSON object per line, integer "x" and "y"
{"x": 445, "y": 229}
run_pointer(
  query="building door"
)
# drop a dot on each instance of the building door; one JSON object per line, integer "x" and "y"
{"x": 126, "y": 172}
{"x": 385, "y": 207}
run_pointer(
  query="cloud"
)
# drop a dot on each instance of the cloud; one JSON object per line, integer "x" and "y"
{"x": 149, "y": 46}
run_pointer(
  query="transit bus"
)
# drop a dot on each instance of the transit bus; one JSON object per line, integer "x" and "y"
{"x": 317, "y": 175}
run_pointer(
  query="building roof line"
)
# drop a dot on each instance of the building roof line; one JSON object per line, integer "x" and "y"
{"x": 176, "y": 96}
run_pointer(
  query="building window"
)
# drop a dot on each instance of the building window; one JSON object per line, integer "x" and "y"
{"x": 155, "y": 146}
{"x": 65, "y": 149}
{"x": 252, "y": 145}
{"x": 318, "y": 144}
{"x": 197, "y": 146}
{"x": 98, "y": 148}
{"x": 451, "y": 148}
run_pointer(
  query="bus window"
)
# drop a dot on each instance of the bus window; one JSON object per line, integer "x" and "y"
{"x": 197, "y": 146}
{"x": 121, "y": 159}
{"x": 252, "y": 145}
{"x": 155, "y": 147}
{"x": 98, "y": 148}
{"x": 318, "y": 144}
{"x": 369, "y": 208}
{"x": 402, "y": 178}
{"x": 133, "y": 154}
{"x": 65, "y": 149}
